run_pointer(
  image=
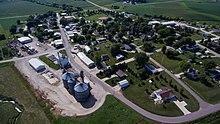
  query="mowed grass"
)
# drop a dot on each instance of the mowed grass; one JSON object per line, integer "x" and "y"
{"x": 13, "y": 85}
{"x": 49, "y": 63}
{"x": 8, "y": 114}
{"x": 112, "y": 112}
{"x": 95, "y": 17}
{"x": 208, "y": 93}
{"x": 137, "y": 93}
{"x": 21, "y": 8}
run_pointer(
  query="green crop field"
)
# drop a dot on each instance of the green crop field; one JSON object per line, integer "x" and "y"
{"x": 21, "y": 8}
{"x": 198, "y": 10}
{"x": 74, "y": 3}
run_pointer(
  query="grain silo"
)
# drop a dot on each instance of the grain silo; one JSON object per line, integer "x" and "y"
{"x": 82, "y": 91}
{"x": 71, "y": 83}
{"x": 67, "y": 76}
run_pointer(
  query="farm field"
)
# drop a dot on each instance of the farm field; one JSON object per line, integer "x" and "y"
{"x": 21, "y": 8}
{"x": 197, "y": 10}
{"x": 15, "y": 87}
{"x": 74, "y": 3}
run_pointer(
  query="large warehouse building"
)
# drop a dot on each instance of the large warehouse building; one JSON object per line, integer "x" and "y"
{"x": 36, "y": 64}
{"x": 24, "y": 40}
{"x": 87, "y": 61}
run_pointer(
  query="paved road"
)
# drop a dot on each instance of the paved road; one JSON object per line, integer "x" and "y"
{"x": 32, "y": 56}
{"x": 205, "y": 108}
{"x": 11, "y": 17}
{"x": 101, "y": 7}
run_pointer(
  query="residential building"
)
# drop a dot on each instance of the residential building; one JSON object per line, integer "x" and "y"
{"x": 120, "y": 74}
{"x": 151, "y": 68}
{"x": 163, "y": 94}
{"x": 123, "y": 84}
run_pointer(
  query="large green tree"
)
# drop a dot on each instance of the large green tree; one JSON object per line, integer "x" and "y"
{"x": 141, "y": 59}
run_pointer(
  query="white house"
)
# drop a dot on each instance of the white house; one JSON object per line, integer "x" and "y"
{"x": 87, "y": 49}
{"x": 123, "y": 84}
{"x": 153, "y": 22}
{"x": 169, "y": 23}
{"x": 119, "y": 57}
{"x": 24, "y": 40}
{"x": 36, "y": 64}
{"x": 87, "y": 61}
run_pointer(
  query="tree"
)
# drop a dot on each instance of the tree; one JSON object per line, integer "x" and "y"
{"x": 184, "y": 65}
{"x": 141, "y": 59}
{"x": 170, "y": 53}
{"x": 98, "y": 62}
{"x": 203, "y": 78}
{"x": 209, "y": 64}
{"x": 2, "y": 37}
{"x": 63, "y": 21}
{"x": 142, "y": 73}
{"x": 164, "y": 48}
{"x": 148, "y": 47}
{"x": 115, "y": 50}
{"x": 13, "y": 29}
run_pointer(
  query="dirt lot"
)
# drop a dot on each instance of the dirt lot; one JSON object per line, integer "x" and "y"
{"x": 63, "y": 103}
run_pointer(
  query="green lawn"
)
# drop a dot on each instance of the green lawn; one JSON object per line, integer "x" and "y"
{"x": 49, "y": 63}
{"x": 16, "y": 87}
{"x": 112, "y": 112}
{"x": 208, "y": 93}
{"x": 137, "y": 93}
{"x": 213, "y": 118}
{"x": 170, "y": 64}
{"x": 95, "y": 17}
{"x": 8, "y": 114}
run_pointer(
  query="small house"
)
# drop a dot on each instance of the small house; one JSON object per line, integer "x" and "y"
{"x": 101, "y": 40}
{"x": 151, "y": 68}
{"x": 163, "y": 94}
{"x": 123, "y": 84}
{"x": 192, "y": 73}
{"x": 104, "y": 57}
{"x": 119, "y": 57}
{"x": 87, "y": 49}
{"x": 126, "y": 47}
{"x": 120, "y": 74}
